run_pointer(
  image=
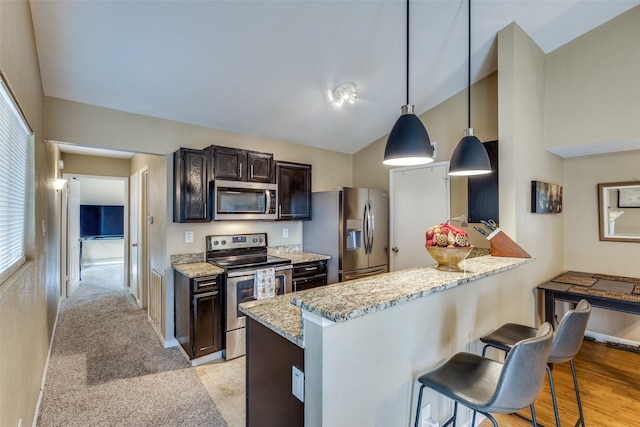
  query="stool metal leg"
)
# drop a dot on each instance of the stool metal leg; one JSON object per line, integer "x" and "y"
{"x": 575, "y": 385}
{"x": 454, "y": 417}
{"x": 419, "y": 406}
{"x": 533, "y": 416}
{"x": 553, "y": 396}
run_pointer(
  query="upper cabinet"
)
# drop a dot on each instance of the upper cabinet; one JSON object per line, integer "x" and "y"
{"x": 241, "y": 165}
{"x": 294, "y": 190}
{"x": 190, "y": 183}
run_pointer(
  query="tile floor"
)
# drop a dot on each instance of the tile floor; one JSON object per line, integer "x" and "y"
{"x": 225, "y": 382}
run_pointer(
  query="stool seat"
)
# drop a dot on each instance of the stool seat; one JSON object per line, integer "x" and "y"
{"x": 507, "y": 335}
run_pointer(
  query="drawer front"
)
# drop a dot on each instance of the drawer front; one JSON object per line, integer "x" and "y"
{"x": 205, "y": 284}
{"x": 310, "y": 269}
{"x": 305, "y": 283}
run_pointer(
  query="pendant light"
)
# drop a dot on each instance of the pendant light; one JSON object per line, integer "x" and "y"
{"x": 408, "y": 142}
{"x": 470, "y": 157}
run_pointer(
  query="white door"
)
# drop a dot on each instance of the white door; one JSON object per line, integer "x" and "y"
{"x": 143, "y": 245}
{"x": 419, "y": 199}
{"x": 74, "y": 263}
{"x": 133, "y": 238}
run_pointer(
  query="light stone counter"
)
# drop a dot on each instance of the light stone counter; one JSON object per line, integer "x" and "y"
{"x": 296, "y": 254}
{"x": 342, "y": 302}
{"x": 198, "y": 269}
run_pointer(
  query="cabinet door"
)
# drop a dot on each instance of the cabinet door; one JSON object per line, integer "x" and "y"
{"x": 260, "y": 166}
{"x": 294, "y": 191}
{"x": 229, "y": 164}
{"x": 190, "y": 185}
{"x": 207, "y": 323}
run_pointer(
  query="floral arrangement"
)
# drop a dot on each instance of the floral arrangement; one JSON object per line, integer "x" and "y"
{"x": 447, "y": 236}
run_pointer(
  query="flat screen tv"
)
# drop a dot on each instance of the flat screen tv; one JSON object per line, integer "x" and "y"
{"x": 101, "y": 221}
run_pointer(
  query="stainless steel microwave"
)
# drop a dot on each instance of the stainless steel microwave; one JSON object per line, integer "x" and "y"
{"x": 237, "y": 200}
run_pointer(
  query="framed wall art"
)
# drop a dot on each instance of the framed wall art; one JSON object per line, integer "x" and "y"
{"x": 629, "y": 197}
{"x": 545, "y": 197}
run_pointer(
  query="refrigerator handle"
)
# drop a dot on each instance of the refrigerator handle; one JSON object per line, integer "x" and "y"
{"x": 371, "y": 227}
{"x": 365, "y": 228}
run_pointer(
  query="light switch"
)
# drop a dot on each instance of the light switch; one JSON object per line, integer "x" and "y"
{"x": 188, "y": 237}
{"x": 297, "y": 383}
{"x": 285, "y": 233}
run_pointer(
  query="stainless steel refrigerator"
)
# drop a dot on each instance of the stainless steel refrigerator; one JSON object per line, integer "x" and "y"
{"x": 352, "y": 226}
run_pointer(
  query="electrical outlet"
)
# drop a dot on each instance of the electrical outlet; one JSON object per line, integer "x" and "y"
{"x": 425, "y": 414}
{"x": 285, "y": 233}
{"x": 297, "y": 383}
{"x": 435, "y": 149}
{"x": 188, "y": 237}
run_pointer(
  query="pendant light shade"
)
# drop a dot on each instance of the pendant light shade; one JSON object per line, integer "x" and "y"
{"x": 470, "y": 157}
{"x": 408, "y": 142}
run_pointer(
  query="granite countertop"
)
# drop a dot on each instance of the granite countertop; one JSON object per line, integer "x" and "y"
{"x": 198, "y": 269}
{"x": 277, "y": 314}
{"x": 342, "y": 302}
{"x": 295, "y": 254}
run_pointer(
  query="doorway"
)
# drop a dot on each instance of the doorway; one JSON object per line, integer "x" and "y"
{"x": 95, "y": 232}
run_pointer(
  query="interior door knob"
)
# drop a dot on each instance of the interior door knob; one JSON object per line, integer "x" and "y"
{"x": 395, "y": 249}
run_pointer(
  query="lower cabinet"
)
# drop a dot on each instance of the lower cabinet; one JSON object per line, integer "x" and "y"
{"x": 309, "y": 275}
{"x": 269, "y": 361}
{"x": 198, "y": 314}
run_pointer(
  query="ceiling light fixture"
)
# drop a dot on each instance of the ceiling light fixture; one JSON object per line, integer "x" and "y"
{"x": 469, "y": 157}
{"x": 346, "y": 92}
{"x": 408, "y": 142}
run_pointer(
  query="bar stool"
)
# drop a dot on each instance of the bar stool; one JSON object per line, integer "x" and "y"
{"x": 567, "y": 340}
{"x": 485, "y": 385}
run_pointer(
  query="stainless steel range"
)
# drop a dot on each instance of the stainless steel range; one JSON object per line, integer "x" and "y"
{"x": 242, "y": 256}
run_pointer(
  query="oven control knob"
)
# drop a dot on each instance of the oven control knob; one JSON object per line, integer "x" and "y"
{"x": 255, "y": 240}
{"x": 261, "y": 240}
{"x": 215, "y": 243}
{"x": 224, "y": 242}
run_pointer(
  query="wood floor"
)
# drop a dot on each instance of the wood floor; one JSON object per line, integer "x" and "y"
{"x": 609, "y": 381}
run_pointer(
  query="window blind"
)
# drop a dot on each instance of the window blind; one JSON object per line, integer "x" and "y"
{"x": 14, "y": 139}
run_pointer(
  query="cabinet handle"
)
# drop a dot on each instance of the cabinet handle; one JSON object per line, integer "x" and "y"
{"x": 310, "y": 268}
{"x": 251, "y": 172}
{"x": 240, "y": 170}
{"x": 207, "y": 283}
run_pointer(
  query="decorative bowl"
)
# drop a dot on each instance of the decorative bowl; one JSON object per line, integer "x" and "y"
{"x": 449, "y": 258}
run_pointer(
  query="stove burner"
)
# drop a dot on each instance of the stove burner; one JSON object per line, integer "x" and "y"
{"x": 241, "y": 251}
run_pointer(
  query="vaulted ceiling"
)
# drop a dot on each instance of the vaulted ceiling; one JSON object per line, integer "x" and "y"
{"x": 267, "y": 67}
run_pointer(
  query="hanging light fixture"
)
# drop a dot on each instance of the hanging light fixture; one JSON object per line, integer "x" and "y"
{"x": 470, "y": 156}
{"x": 408, "y": 142}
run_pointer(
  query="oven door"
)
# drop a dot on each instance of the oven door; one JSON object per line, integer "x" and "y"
{"x": 240, "y": 287}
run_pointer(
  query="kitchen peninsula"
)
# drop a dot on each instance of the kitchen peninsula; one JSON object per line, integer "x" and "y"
{"x": 364, "y": 341}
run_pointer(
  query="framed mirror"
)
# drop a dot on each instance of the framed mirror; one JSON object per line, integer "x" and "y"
{"x": 619, "y": 211}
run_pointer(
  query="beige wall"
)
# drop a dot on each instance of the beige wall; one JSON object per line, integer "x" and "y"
{"x": 78, "y": 164}
{"x": 593, "y": 88}
{"x": 522, "y": 154}
{"x": 29, "y": 298}
{"x": 583, "y": 249}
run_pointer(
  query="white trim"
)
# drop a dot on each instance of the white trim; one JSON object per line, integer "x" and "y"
{"x": 609, "y": 338}
{"x": 46, "y": 367}
{"x": 314, "y": 318}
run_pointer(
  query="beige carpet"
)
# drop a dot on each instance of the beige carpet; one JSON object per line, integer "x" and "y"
{"x": 108, "y": 368}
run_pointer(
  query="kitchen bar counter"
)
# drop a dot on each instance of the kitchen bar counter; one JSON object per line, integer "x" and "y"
{"x": 345, "y": 301}
{"x": 295, "y": 254}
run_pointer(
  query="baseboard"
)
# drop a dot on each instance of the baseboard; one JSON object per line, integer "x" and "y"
{"x": 171, "y": 343}
{"x": 103, "y": 261}
{"x": 609, "y": 338}
{"x": 46, "y": 368}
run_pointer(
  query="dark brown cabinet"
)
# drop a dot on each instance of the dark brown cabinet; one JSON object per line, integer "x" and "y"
{"x": 294, "y": 190}
{"x": 198, "y": 314}
{"x": 309, "y": 275}
{"x": 269, "y": 362}
{"x": 241, "y": 165}
{"x": 190, "y": 185}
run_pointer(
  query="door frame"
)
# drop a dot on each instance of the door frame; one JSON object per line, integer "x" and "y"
{"x": 64, "y": 235}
